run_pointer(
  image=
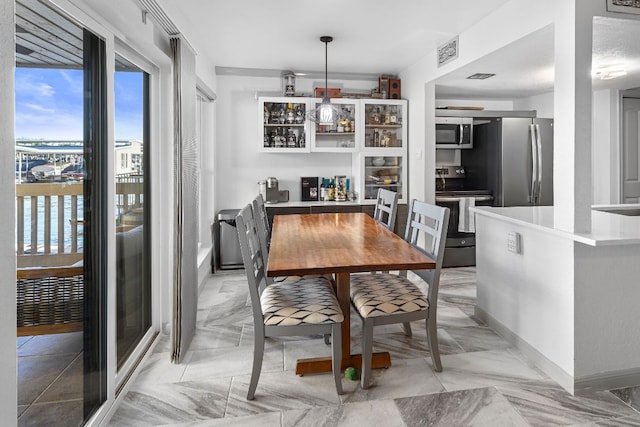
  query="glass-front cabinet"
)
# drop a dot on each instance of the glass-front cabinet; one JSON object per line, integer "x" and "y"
{"x": 375, "y": 171}
{"x": 283, "y": 124}
{"x": 344, "y": 136}
{"x": 383, "y": 122}
{"x": 373, "y": 132}
{"x": 382, "y": 160}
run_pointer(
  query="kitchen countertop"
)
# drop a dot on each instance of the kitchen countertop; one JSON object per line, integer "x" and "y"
{"x": 606, "y": 228}
{"x": 300, "y": 204}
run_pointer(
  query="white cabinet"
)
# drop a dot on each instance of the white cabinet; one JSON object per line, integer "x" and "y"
{"x": 382, "y": 161}
{"x": 374, "y": 134}
{"x": 344, "y": 136}
{"x": 284, "y": 127}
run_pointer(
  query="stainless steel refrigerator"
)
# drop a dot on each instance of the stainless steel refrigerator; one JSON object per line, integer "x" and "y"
{"x": 513, "y": 158}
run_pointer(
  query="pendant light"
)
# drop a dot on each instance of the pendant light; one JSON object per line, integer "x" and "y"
{"x": 326, "y": 113}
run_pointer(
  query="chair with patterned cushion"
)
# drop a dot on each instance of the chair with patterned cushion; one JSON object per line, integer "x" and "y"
{"x": 383, "y": 298}
{"x": 307, "y": 306}
{"x": 386, "y": 208}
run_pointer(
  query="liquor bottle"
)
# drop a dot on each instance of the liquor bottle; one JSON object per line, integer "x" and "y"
{"x": 301, "y": 140}
{"x": 376, "y": 138}
{"x": 331, "y": 191}
{"x": 323, "y": 190}
{"x": 291, "y": 139}
{"x": 387, "y": 117}
{"x": 299, "y": 115}
{"x": 291, "y": 117}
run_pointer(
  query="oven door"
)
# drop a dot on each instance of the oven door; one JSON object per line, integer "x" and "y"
{"x": 460, "y": 247}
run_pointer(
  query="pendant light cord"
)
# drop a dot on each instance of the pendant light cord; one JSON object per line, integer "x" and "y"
{"x": 326, "y": 69}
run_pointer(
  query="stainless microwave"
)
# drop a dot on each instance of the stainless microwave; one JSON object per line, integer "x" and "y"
{"x": 454, "y": 132}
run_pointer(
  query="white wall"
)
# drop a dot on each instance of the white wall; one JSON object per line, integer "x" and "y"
{"x": 530, "y": 293}
{"x": 543, "y": 104}
{"x": 239, "y": 165}
{"x": 8, "y": 390}
{"x": 605, "y": 147}
{"x": 607, "y": 316}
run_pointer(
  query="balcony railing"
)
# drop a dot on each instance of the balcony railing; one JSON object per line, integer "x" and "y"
{"x": 49, "y": 219}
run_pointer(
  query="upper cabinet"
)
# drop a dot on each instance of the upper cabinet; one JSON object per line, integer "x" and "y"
{"x": 342, "y": 137}
{"x": 384, "y": 123}
{"x": 369, "y": 125}
{"x": 284, "y": 127}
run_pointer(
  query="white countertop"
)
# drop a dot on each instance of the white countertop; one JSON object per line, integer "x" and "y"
{"x": 606, "y": 228}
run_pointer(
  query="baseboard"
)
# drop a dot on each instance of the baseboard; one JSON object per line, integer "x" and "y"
{"x": 556, "y": 373}
{"x": 608, "y": 381}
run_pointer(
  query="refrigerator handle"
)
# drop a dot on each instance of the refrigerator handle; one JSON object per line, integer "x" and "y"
{"x": 534, "y": 164}
{"x": 539, "y": 149}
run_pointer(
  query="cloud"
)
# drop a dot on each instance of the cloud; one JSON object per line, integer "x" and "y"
{"x": 26, "y": 84}
{"x": 38, "y": 108}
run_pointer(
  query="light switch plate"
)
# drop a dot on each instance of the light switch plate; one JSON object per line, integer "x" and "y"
{"x": 514, "y": 242}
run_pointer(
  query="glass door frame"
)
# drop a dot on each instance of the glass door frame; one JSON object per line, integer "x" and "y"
{"x": 150, "y": 167}
{"x": 116, "y": 382}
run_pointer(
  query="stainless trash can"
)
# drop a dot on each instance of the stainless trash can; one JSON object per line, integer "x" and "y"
{"x": 229, "y": 253}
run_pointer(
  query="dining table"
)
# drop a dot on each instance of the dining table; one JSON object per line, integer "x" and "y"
{"x": 339, "y": 244}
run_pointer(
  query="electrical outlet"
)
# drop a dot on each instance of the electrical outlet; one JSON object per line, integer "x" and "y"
{"x": 514, "y": 242}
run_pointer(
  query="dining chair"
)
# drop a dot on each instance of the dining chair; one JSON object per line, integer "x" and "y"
{"x": 307, "y": 306}
{"x": 386, "y": 208}
{"x": 384, "y": 298}
{"x": 260, "y": 212}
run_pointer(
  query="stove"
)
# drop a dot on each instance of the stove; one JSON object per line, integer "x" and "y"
{"x": 453, "y": 193}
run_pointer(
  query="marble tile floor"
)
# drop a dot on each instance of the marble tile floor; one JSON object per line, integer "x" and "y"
{"x": 484, "y": 382}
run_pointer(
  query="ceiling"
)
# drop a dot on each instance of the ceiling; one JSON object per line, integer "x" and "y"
{"x": 371, "y": 37}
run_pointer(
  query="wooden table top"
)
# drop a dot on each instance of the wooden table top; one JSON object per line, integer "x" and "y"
{"x": 338, "y": 243}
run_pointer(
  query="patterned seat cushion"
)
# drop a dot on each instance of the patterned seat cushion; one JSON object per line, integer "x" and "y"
{"x": 305, "y": 301}
{"x": 382, "y": 294}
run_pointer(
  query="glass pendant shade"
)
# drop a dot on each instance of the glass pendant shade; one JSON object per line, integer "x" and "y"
{"x": 326, "y": 112}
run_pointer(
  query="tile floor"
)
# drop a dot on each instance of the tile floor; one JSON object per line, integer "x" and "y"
{"x": 485, "y": 382}
{"x": 50, "y": 380}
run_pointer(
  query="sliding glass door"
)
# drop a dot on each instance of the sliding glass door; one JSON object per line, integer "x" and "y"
{"x": 132, "y": 207}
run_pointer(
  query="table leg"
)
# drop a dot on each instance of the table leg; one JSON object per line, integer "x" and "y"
{"x": 323, "y": 364}
{"x": 342, "y": 292}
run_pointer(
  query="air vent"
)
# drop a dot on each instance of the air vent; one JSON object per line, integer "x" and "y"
{"x": 480, "y": 76}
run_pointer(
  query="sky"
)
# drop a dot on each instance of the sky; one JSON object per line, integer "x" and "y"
{"x": 49, "y": 104}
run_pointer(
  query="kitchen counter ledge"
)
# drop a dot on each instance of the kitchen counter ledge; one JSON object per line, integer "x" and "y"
{"x": 606, "y": 228}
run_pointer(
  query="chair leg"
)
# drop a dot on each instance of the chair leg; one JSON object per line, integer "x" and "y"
{"x": 336, "y": 355}
{"x": 258, "y": 355}
{"x": 367, "y": 350}
{"x": 407, "y": 329}
{"x": 432, "y": 338}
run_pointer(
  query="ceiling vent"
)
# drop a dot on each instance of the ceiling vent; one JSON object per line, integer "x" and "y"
{"x": 480, "y": 76}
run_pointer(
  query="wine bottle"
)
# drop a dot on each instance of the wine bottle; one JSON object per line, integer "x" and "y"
{"x": 323, "y": 190}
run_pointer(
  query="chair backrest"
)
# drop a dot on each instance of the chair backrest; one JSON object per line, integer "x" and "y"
{"x": 386, "y": 208}
{"x": 263, "y": 229}
{"x": 427, "y": 230}
{"x": 252, "y": 258}
{"x": 260, "y": 213}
